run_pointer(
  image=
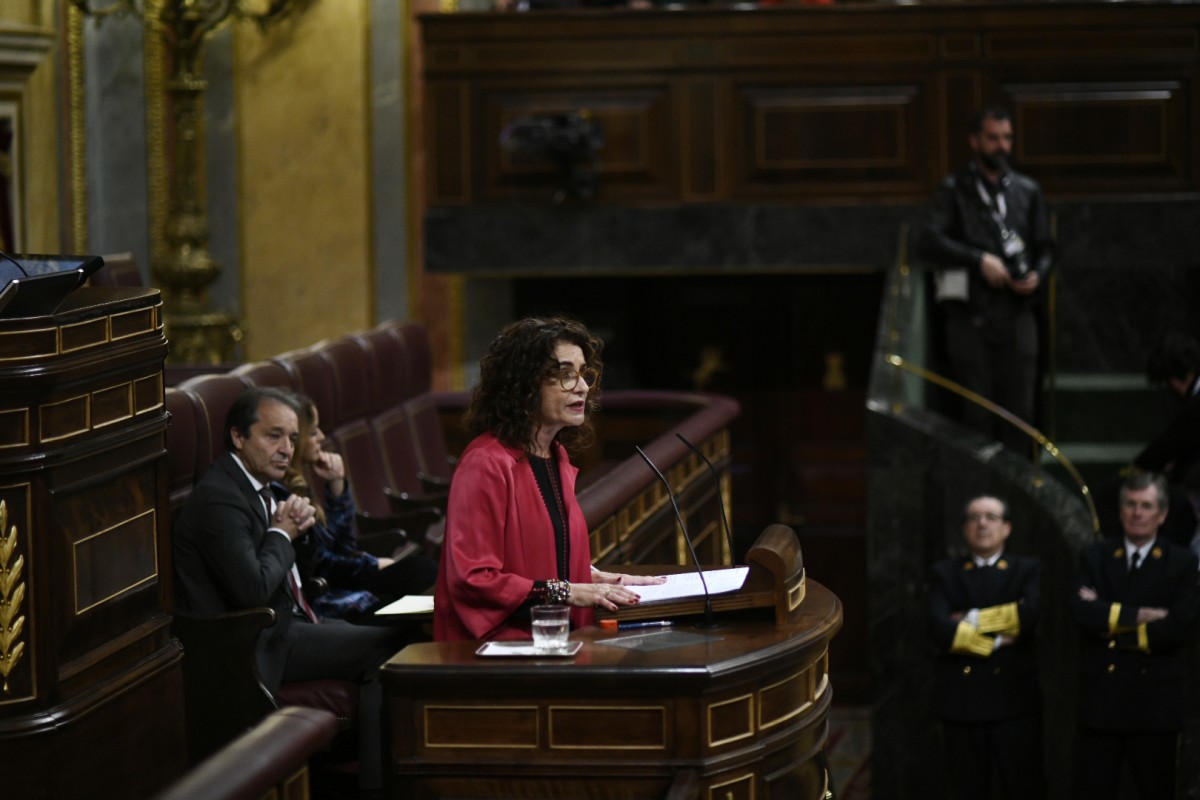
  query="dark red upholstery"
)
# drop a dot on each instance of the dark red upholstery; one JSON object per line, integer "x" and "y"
{"x": 389, "y": 366}
{"x": 425, "y": 427}
{"x": 262, "y": 762}
{"x": 353, "y": 377}
{"x": 338, "y": 697}
{"x": 414, "y": 341}
{"x": 364, "y": 467}
{"x": 181, "y": 448}
{"x": 315, "y": 377}
{"x": 211, "y": 396}
{"x": 398, "y": 450}
{"x": 266, "y": 373}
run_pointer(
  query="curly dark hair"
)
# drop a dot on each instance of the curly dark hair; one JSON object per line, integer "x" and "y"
{"x": 507, "y": 401}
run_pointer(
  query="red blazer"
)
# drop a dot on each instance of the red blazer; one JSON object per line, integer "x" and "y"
{"x": 499, "y": 540}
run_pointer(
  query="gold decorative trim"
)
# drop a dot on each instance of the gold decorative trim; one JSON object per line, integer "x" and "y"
{"x": 24, "y": 412}
{"x": 480, "y": 745}
{"x": 716, "y": 787}
{"x": 78, "y": 125}
{"x": 79, "y": 332}
{"x": 87, "y": 422}
{"x": 748, "y": 699}
{"x": 12, "y": 594}
{"x": 661, "y": 709}
{"x": 796, "y": 593}
{"x": 152, "y": 514}
{"x": 30, "y": 355}
{"x": 158, "y": 202}
{"x": 156, "y": 387}
{"x": 118, "y": 331}
{"x": 114, "y": 391}
{"x": 805, "y": 677}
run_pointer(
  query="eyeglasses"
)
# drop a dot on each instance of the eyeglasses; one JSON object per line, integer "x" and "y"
{"x": 568, "y": 378}
{"x": 990, "y": 516}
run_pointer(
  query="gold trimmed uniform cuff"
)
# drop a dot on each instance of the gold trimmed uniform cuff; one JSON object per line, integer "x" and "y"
{"x": 1143, "y": 638}
{"x": 1114, "y": 616}
{"x": 969, "y": 641}
{"x": 1003, "y": 619}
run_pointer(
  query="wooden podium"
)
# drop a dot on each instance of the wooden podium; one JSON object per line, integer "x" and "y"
{"x": 737, "y": 711}
{"x": 90, "y": 686}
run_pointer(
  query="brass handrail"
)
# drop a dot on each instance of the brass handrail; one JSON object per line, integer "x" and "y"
{"x": 1030, "y": 431}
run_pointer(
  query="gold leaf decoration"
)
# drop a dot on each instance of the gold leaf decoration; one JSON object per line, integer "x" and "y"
{"x": 12, "y": 594}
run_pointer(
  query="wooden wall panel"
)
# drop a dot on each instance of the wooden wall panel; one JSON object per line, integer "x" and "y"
{"x": 1102, "y": 134}
{"x": 810, "y": 105}
{"x": 812, "y": 141}
{"x": 636, "y": 120}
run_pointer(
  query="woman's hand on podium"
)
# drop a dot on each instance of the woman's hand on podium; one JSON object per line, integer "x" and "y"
{"x": 609, "y": 590}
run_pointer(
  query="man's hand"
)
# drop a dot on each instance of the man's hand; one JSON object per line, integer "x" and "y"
{"x": 1150, "y": 614}
{"x": 1026, "y": 284}
{"x": 294, "y": 516}
{"x": 1088, "y": 593}
{"x": 993, "y": 270}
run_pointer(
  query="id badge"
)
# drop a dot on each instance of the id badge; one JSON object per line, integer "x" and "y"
{"x": 1014, "y": 245}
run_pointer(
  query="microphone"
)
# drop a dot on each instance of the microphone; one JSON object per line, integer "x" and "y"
{"x": 720, "y": 499}
{"x": 708, "y": 610}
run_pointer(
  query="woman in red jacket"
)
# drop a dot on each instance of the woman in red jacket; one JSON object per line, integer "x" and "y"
{"x": 515, "y": 535}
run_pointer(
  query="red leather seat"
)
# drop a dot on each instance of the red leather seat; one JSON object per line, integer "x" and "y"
{"x": 211, "y": 397}
{"x": 352, "y": 375}
{"x": 314, "y": 376}
{"x": 266, "y": 373}
{"x": 181, "y": 448}
{"x": 389, "y": 366}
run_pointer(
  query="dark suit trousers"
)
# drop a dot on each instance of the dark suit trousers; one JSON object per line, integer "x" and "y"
{"x": 1002, "y": 368}
{"x": 337, "y": 649}
{"x": 1006, "y": 752}
{"x": 1100, "y": 754}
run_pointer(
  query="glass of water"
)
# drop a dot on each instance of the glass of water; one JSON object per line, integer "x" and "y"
{"x": 550, "y": 627}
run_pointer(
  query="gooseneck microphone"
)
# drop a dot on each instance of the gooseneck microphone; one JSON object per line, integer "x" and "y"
{"x": 720, "y": 499}
{"x": 708, "y": 609}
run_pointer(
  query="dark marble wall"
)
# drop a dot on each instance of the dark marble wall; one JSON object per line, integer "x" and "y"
{"x": 1127, "y": 270}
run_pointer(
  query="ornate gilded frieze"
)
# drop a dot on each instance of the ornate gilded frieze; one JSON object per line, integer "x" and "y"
{"x": 12, "y": 595}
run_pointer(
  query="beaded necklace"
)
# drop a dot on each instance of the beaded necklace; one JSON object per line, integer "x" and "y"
{"x": 545, "y": 471}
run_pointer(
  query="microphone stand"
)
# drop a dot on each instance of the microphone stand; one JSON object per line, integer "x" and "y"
{"x": 720, "y": 499}
{"x": 708, "y": 609}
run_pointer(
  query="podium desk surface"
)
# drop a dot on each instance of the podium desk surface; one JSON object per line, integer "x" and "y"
{"x": 739, "y": 641}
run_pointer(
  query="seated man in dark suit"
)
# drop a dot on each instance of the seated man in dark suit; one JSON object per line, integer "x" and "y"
{"x": 984, "y": 610}
{"x": 1135, "y": 606}
{"x": 233, "y": 550}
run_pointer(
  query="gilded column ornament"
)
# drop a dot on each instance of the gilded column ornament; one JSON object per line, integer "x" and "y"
{"x": 12, "y": 593}
{"x": 184, "y": 268}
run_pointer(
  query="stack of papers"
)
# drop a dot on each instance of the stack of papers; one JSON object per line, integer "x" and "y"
{"x": 687, "y": 584}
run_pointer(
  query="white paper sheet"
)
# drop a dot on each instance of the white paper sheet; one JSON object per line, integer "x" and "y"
{"x": 410, "y": 604}
{"x": 687, "y": 584}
